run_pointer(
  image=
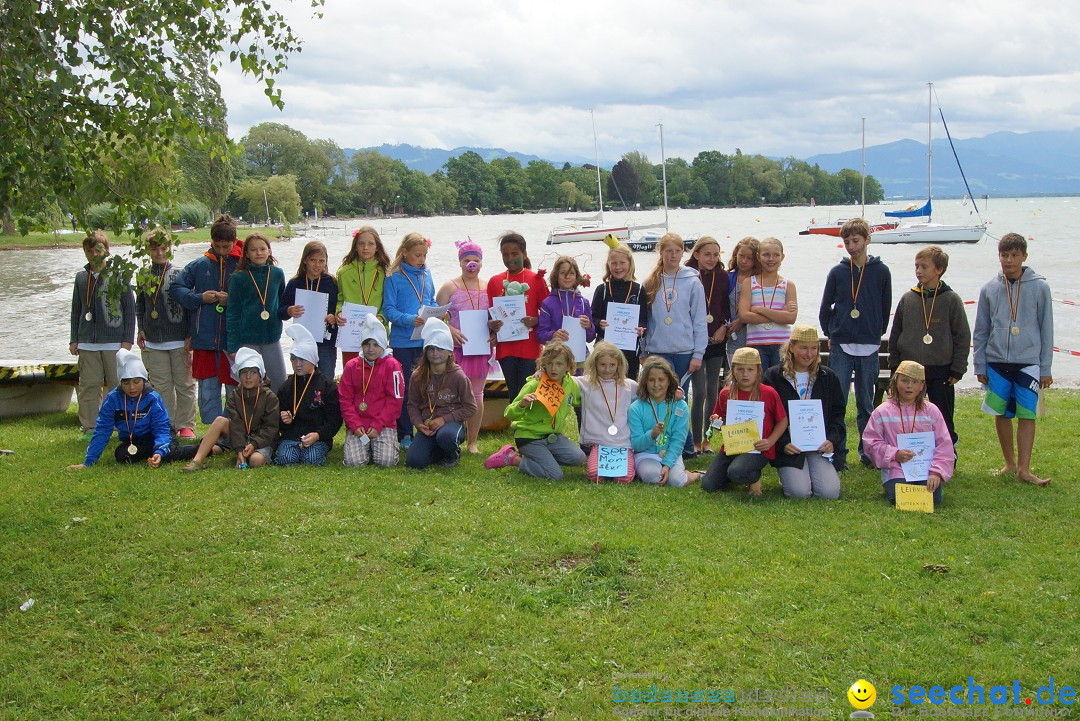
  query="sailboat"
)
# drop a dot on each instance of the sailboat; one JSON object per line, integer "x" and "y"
{"x": 928, "y": 231}
{"x": 647, "y": 241}
{"x": 590, "y": 228}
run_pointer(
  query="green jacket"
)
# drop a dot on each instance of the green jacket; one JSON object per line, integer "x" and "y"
{"x": 349, "y": 278}
{"x": 535, "y": 422}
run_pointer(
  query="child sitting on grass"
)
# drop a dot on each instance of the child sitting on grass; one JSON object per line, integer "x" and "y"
{"x": 541, "y": 446}
{"x": 659, "y": 425}
{"x": 906, "y": 410}
{"x": 440, "y": 400}
{"x": 606, "y": 395}
{"x": 371, "y": 392}
{"x": 310, "y": 410}
{"x": 252, "y": 420}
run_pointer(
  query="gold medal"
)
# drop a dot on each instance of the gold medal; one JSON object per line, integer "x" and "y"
{"x": 89, "y": 316}
{"x": 132, "y": 449}
{"x": 855, "y": 313}
{"x": 1015, "y": 330}
{"x": 928, "y": 339}
{"x": 362, "y": 406}
{"x": 265, "y": 315}
{"x": 708, "y": 318}
{"x": 154, "y": 314}
{"x": 667, "y": 321}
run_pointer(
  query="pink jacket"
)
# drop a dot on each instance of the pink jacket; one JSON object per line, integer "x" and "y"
{"x": 879, "y": 438}
{"x": 384, "y": 396}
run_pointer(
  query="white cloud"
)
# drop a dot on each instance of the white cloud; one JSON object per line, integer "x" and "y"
{"x": 780, "y": 78}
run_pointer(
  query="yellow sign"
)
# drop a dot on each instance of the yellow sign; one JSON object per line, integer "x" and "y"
{"x": 740, "y": 437}
{"x": 911, "y": 497}
{"x": 551, "y": 394}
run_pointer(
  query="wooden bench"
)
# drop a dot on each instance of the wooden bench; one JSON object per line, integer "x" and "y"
{"x": 884, "y": 373}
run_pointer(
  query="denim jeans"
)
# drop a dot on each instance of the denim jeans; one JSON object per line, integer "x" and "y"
{"x": 865, "y": 370}
{"x": 442, "y": 447}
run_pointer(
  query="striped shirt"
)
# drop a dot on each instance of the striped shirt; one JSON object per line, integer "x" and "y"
{"x": 772, "y": 297}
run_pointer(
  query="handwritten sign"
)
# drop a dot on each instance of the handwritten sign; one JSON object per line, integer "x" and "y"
{"x": 551, "y": 394}
{"x": 612, "y": 462}
{"x": 622, "y": 320}
{"x": 740, "y": 437}
{"x": 912, "y": 497}
{"x": 922, "y": 445}
{"x": 807, "y": 424}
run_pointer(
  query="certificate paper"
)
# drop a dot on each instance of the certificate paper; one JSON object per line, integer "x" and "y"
{"x": 425, "y": 312}
{"x": 349, "y": 334}
{"x": 314, "y": 317}
{"x": 573, "y": 328}
{"x": 742, "y": 411}
{"x": 474, "y": 325}
{"x": 922, "y": 445}
{"x": 807, "y": 424}
{"x": 510, "y": 309}
{"x": 622, "y": 320}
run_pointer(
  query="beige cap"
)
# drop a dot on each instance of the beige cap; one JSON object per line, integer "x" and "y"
{"x": 804, "y": 334}
{"x": 746, "y": 357}
{"x": 911, "y": 369}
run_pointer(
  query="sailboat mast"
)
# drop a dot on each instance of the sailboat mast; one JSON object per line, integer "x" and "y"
{"x": 596, "y": 155}
{"x": 663, "y": 172}
{"x": 929, "y": 147}
{"x": 862, "y": 191}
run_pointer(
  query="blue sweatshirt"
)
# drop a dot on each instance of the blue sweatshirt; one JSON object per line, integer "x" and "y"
{"x": 874, "y": 303}
{"x": 401, "y": 305}
{"x": 688, "y": 332}
{"x": 676, "y": 418}
{"x": 144, "y": 417}
{"x": 994, "y": 341}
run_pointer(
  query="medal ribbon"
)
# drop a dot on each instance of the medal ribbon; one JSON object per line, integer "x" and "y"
{"x": 562, "y": 304}
{"x": 855, "y": 291}
{"x": 371, "y": 289}
{"x": 161, "y": 282}
{"x": 761, "y": 289}
{"x": 298, "y": 400}
{"x": 432, "y": 403}
{"x": 243, "y": 408}
{"x": 1014, "y": 308}
{"x": 611, "y": 294}
{"x": 91, "y": 289}
{"x": 663, "y": 280}
{"x": 131, "y": 423}
{"x": 928, "y": 318}
{"x": 469, "y": 293}
{"x": 913, "y": 413}
{"x": 610, "y": 413}
{"x": 318, "y": 282}
{"x": 419, "y": 293}
{"x": 262, "y": 293}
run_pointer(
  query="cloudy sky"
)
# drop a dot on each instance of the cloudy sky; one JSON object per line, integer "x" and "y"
{"x": 773, "y": 77}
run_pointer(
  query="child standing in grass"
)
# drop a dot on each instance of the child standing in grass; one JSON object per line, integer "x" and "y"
{"x": 252, "y": 418}
{"x": 565, "y": 301}
{"x": 1014, "y": 348}
{"x": 768, "y": 304}
{"x": 312, "y": 275}
{"x": 705, "y": 259}
{"x": 256, "y": 292}
{"x": 310, "y": 410}
{"x": 362, "y": 276}
{"x": 541, "y": 446}
{"x": 744, "y": 384}
{"x": 906, "y": 410}
{"x": 163, "y": 338}
{"x": 854, "y": 314}
{"x": 100, "y": 326}
{"x": 606, "y": 395}
{"x": 659, "y": 425}
{"x": 743, "y": 264}
{"x": 931, "y": 328}
{"x": 440, "y": 400}
{"x": 137, "y": 414}
{"x": 371, "y": 392}
{"x": 408, "y": 287}
{"x": 619, "y": 287}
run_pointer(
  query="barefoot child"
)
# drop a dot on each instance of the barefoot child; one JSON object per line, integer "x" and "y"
{"x": 606, "y": 395}
{"x": 138, "y": 415}
{"x": 252, "y": 418}
{"x": 541, "y": 446}
{"x": 744, "y": 384}
{"x": 310, "y": 410}
{"x": 659, "y": 425}
{"x": 440, "y": 400}
{"x": 371, "y": 392}
{"x": 906, "y": 410}
{"x": 1014, "y": 347}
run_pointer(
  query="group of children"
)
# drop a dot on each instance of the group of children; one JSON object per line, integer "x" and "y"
{"x": 413, "y": 389}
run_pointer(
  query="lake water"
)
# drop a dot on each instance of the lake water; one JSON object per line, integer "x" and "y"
{"x": 35, "y": 285}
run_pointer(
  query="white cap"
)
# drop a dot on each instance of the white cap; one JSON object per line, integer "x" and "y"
{"x": 248, "y": 358}
{"x": 129, "y": 365}
{"x": 437, "y": 333}
{"x": 303, "y": 343}
{"x": 372, "y": 329}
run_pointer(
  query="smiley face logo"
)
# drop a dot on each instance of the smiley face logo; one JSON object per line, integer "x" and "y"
{"x": 862, "y": 694}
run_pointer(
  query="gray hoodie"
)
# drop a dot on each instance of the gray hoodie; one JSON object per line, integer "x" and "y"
{"x": 994, "y": 341}
{"x": 688, "y": 331}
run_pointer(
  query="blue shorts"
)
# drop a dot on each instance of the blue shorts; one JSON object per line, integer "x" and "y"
{"x": 1012, "y": 390}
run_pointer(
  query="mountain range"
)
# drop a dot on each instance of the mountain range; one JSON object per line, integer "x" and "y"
{"x": 999, "y": 164}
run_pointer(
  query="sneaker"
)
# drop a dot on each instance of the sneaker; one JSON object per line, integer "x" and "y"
{"x": 501, "y": 458}
{"x": 406, "y": 442}
{"x": 186, "y": 434}
{"x": 87, "y": 436}
{"x": 194, "y": 466}
{"x": 867, "y": 463}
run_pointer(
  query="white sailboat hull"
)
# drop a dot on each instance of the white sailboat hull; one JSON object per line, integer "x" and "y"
{"x": 928, "y": 233}
{"x": 573, "y": 234}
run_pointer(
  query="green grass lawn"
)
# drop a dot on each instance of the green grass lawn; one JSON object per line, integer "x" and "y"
{"x": 74, "y": 240}
{"x": 335, "y": 593}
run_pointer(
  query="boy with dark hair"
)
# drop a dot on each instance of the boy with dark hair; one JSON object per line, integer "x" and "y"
{"x": 1014, "y": 348}
{"x": 202, "y": 287}
{"x": 854, "y": 314}
{"x": 931, "y": 328}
